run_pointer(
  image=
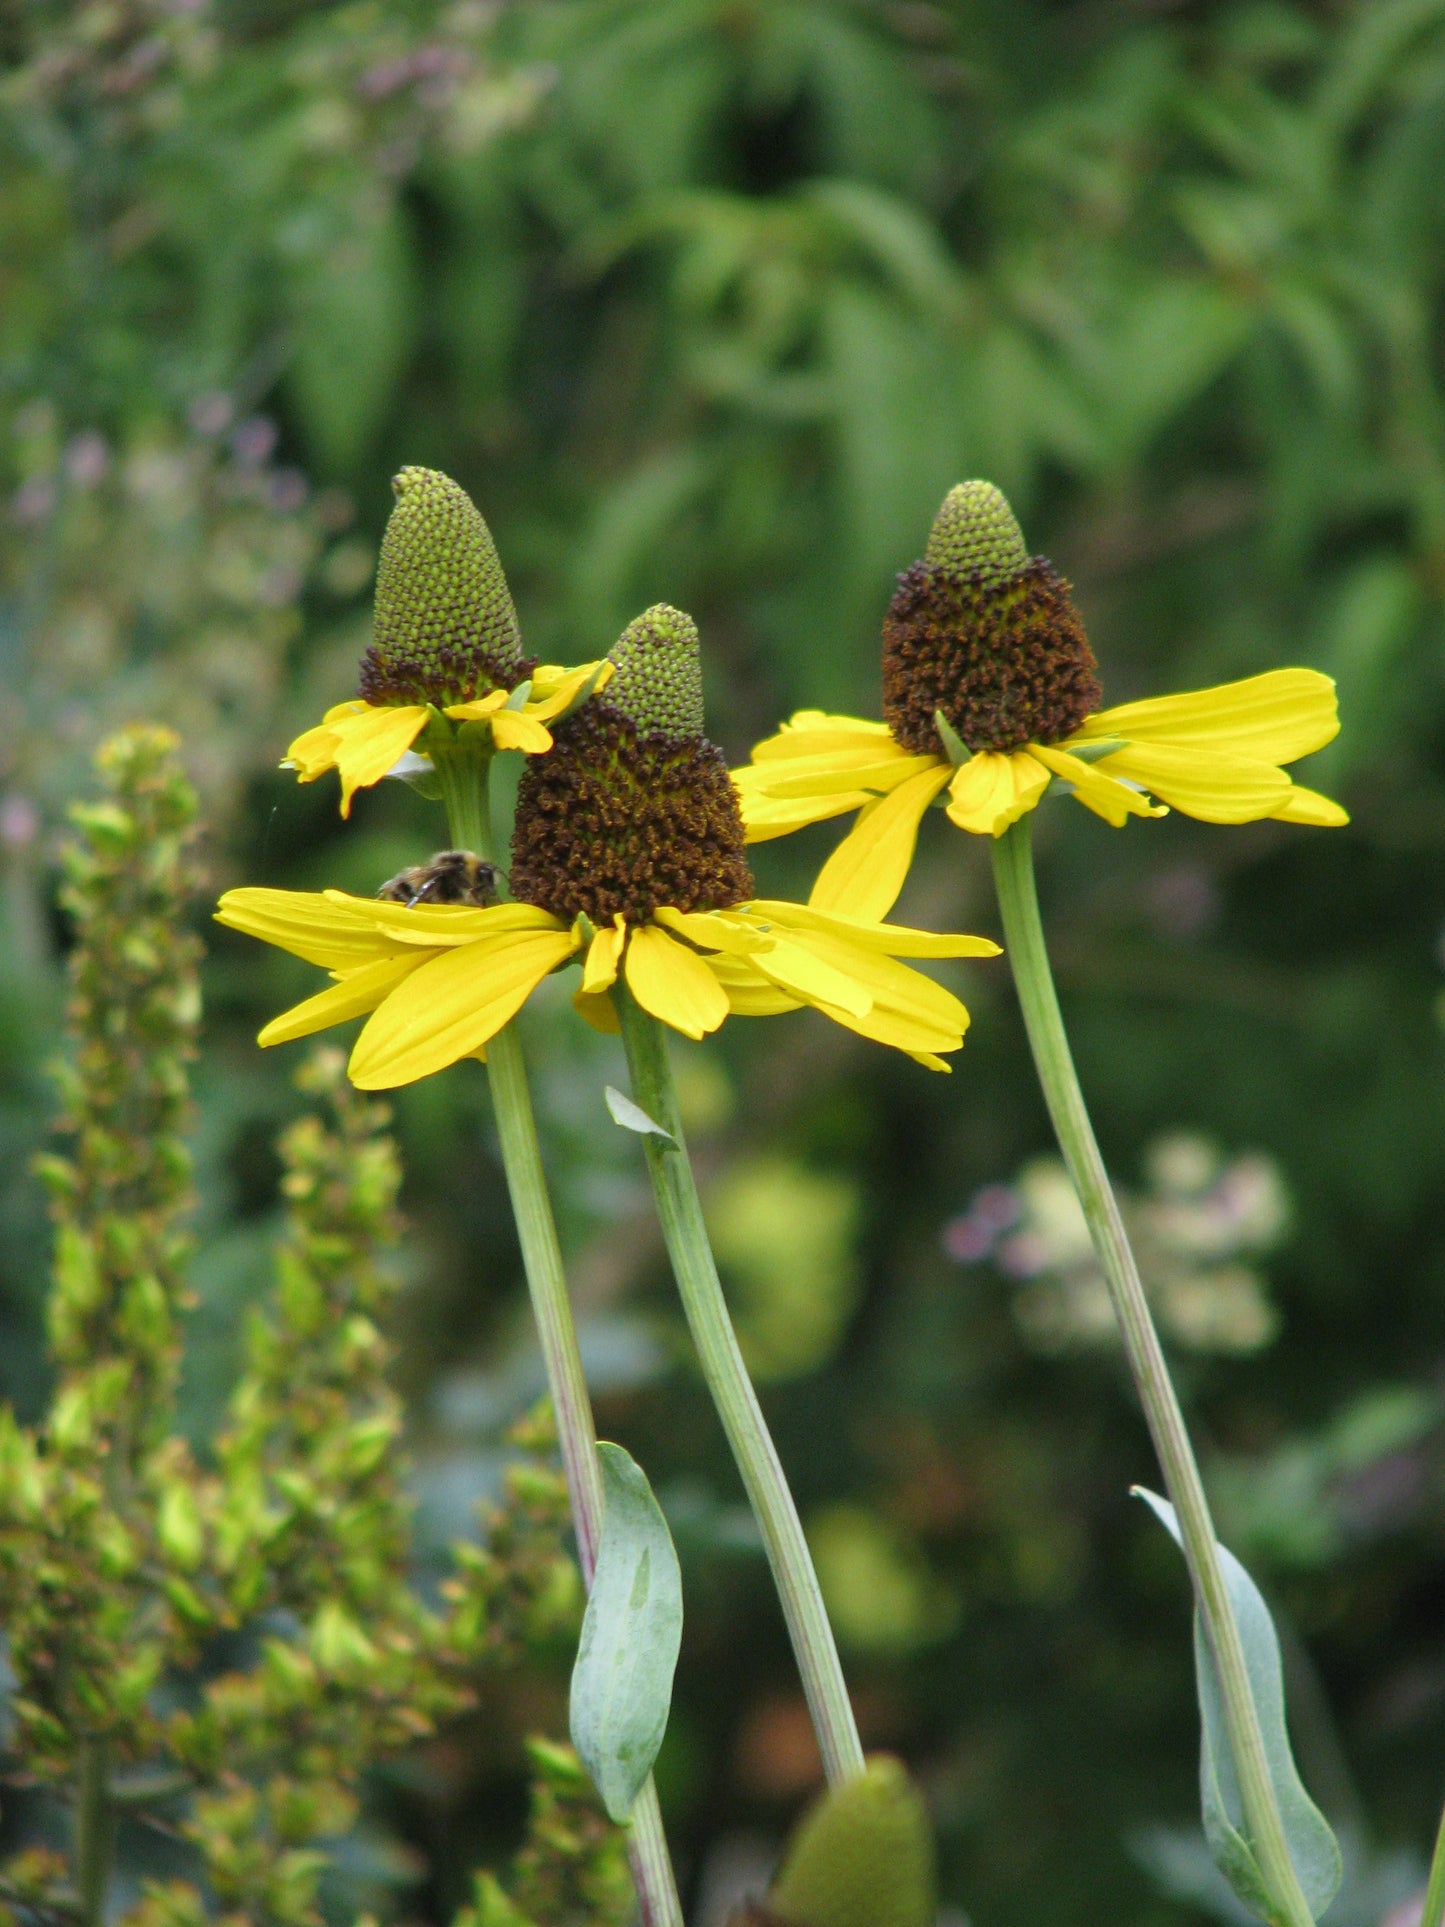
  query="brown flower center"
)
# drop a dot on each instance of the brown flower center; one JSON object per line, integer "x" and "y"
{"x": 1006, "y": 660}
{"x": 615, "y": 819}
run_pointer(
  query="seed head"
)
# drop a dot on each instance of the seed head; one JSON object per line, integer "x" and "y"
{"x": 445, "y": 629}
{"x": 986, "y": 634}
{"x": 633, "y": 808}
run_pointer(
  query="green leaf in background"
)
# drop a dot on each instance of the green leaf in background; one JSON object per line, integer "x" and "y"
{"x": 631, "y": 1631}
{"x": 632, "y": 1117}
{"x": 862, "y": 1857}
{"x": 1312, "y": 1845}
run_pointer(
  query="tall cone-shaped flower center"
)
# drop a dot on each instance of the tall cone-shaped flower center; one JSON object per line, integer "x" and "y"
{"x": 985, "y": 633}
{"x": 633, "y": 808}
{"x": 445, "y": 629}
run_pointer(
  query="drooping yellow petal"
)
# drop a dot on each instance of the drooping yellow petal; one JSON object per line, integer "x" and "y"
{"x": 322, "y": 928}
{"x": 863, "y": 876}
{"x": 674, "y": 983}
{"x": 451, "y": 1006}
{"x": 893, "y": 985}
{"x": 1095, "y": 787}
{"x": 515, "y": 729}
{"x": 597, "y": 1010}
{"x": 1274, "y": 718}
{"x": 993, "y": 789}
{"x": 369, "y": 742}
{"x": 359, "y": 992}
{"x": 314, "y": 751}
{"x": 749, "y": 993}
{"x": 1202, "y": 780}
{"x": 890, "y": 939}
{"x": 796, "y": 966}
{"x": 604, "y": 954}
{"x": 811, "y": 732}
{"x": 1308, "y": 806}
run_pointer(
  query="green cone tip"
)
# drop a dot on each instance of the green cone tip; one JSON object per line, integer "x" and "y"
{"x": 976, "y": 529}
{"x": 657, "y": 679}
{"x": 862, "y": 1857}
{"x": 445, "y": 628}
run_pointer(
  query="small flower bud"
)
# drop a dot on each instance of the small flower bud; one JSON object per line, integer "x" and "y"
{"x": 863, "y": 1857}
{"x": 657, "y": 672}
{"x": 444, "y": 629}
{"x": 976, "y": 529}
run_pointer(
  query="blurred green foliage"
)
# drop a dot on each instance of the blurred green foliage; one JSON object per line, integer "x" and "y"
{"x": 710, "y": 301}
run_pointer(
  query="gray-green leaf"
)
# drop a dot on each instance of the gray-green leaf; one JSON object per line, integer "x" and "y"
{"x": 631, "y": 1631}
{"x": 632, "y": 1117}
{"x": 1312, "y": 1845}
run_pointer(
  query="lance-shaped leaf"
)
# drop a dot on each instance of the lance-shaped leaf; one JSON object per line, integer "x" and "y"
{"x": 1312, "y": 1845}
{"x": 632, "y": 1117}
{"x": 631, "y": 1631}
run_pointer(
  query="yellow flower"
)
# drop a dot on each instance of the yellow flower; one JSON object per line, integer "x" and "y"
{"x": 990, "y": 694}
{"x": 364, "y": 741}
{"x": 437, "y": 981}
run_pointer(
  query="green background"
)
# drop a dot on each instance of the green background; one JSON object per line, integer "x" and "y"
{"x": 710, "y": 301}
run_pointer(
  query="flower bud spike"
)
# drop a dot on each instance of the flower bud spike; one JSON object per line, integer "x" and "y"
{"x": 445, "y": 629}
{"x": 657, "y": 673}
{"x": 976, "y": 529}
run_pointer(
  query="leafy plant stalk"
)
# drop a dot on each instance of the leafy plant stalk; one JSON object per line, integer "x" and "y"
{"x": 464, "y": 775}
{"x": 1013, "y": 867}
{"x": 1433, "y": 1912}
{"x": 679, "y": 1210}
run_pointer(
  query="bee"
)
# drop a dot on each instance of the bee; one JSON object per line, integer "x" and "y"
{"x": 452, "y": 876}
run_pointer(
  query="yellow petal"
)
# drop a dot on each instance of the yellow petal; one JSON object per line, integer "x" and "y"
{"x": 1273, "y": 718}
{"x": 514, "y": 729}
{"x": 312, "y": 753}
{"x": 555, "y": 689}
{"x": 599, "y": 1011}
{"x": 810, "y": 732}
{"x": 479, "y": 708}
{"x": 674, "y": 983}
{"x": 604, "y": 954}
{"x": 891, "y": 939}
{"x": 993, "y": 789}
{"x": 1308, "y": 806}
{"x": 838, "y": 773}
{"x": 729, "y": 930}
{"x": 359, "y": 992}
{"x": 1095, "y": 787}
{"x": 929, "y": 1061}
{"x": 865, "y": 873}
{"x": 321, "y": 927}
{"x": 794, "y": 965}
{"x": 765, "y": 817}
{"x": 1202, "y": 780}
{"x": 441, "y": 925}
{"x": 369, "y": 742}
{"x": 452, "y": 1005}
{"x": 750, "y": 994}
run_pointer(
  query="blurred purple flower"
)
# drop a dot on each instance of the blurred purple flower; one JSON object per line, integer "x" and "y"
{"x": 253, "y": 441}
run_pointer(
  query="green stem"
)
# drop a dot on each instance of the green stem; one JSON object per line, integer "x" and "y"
{"x": 1434, "y": 1909}
{"x": 464, "y": 775}
{"x": 679, "y": 1210}
{"x": 94, "y": 1831}
{"x": 1013, "y": 867}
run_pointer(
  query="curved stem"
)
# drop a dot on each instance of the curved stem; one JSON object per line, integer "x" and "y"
{"x": 1434, "y": 1909}
{"x": 679, "y": 1210}
{"x": 464, "y": 778}
{"x": 1013, "y": 866}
